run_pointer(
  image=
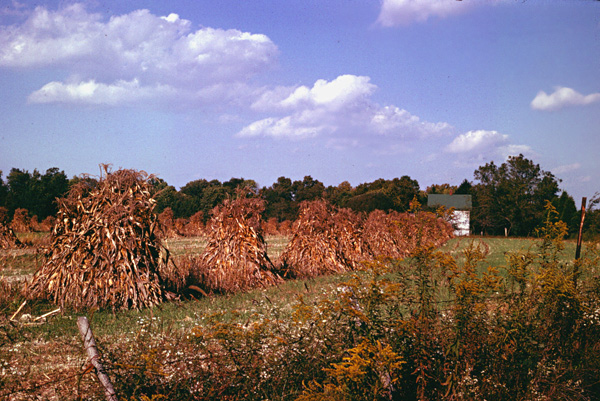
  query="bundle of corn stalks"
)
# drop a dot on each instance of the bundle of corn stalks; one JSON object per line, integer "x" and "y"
{"x": 323, "y": 241}
{"x": 388, "y": 234}
{"x": 235, "y": 258}
{"x": 8, "y": 239}
{"x": 349, "y": 231}
{"x": 21, "y": 221}
{"x": 434, "y": 229}
{"x": 168, "y": 229}
{"x": 195, "y": 225}
{"x": 395, "y": 235}
{"x": 104, "y": 251}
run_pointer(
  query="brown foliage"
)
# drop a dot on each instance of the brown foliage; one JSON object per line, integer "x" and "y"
{"x": 4, "y": 215}
{"x": 42, "y": 226}
{"x": 47, "y": 224}
{"x": 235, "y": 258}
{"x": 285, "y": 227}
{"x": 271, "y": 226}
{"x": 104, "y": 250}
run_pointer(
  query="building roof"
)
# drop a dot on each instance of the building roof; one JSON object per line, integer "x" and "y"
{"x": 458, "y": 202}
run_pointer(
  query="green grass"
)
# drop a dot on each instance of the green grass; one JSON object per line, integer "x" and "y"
{"x": 182, "y": 315}
{"x": 185, "y": 245}
{"x": 19, "y": 263}
{"x": 499, "y": 247}
{"x": 195, "y": 245}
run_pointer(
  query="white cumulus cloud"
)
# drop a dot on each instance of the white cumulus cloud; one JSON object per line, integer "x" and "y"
{"x": 477, "y": 141}
{"x": 343, "y": 91}
{"x": 477, "y": 146}
{"x": 341, "y": 108}
{"x": 391, "y": 119}
{"x": 404, "y": 12}
{"x": 92, "y": 92}
{"x": 562, "y": 97}
{"x": 139, "y": 47}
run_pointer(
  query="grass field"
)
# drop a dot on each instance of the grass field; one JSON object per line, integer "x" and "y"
{"x": 499, "y": 247}
{"x": 195, "y": 245}
{"x": 33, "y": 349}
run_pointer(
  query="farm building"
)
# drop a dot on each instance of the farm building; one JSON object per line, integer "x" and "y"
{"x": 461, "y": 219}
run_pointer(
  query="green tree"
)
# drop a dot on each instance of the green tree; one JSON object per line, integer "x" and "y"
{"x": 308, "y": 189}
{"x": 371, "y": 200}
{"x": 36, "y": 192}
{"x": 195, "y": 188}
{"x": 3, "y": 191}
{"x": 402, "y": 191}
{"x": 340, "y": 194}
{"x": 235, "y": 183}
{"x": 511, "y": 198}
{"x": 279, "y": 199}
{"x": 592, "y": 218}
{"x": 53, "y": 184}
{"x": 464, "y": 188}
{"x": 567, "y": 211}
{"x": 445, "y": 189}
{"x": 381, "y": 194}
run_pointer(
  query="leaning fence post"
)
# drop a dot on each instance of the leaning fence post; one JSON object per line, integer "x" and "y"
{"x": 579, "y": 240}
{"x": 90, "y": 347}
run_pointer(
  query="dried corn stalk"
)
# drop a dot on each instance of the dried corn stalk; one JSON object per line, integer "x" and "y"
{"x": 104, "y": 251}
{"x": 323, "y": 241}
{"x": 396, "y": 235}
{"x": 21, "y": 221}
{"x": 235, "y": 258}
{"x": 348, "y": 228}
{"x": 8, "y": 239}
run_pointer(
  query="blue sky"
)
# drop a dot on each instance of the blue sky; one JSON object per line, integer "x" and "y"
{"x": 351, "y": 90}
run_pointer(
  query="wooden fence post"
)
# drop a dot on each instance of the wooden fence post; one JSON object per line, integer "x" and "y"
{"x": 90, "y": 347}
{"x": 579, "y": 241}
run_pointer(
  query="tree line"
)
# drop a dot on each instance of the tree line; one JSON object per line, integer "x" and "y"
{"x": 507, "y": 199}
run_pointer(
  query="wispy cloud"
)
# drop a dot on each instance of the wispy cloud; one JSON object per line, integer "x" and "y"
{"x": 405, "y": 12}
{"x": 562, "y": 97}
{"x": 15, "y": 9}
{"x": 567, "y": 168}
{"x": 132, "y": 56}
